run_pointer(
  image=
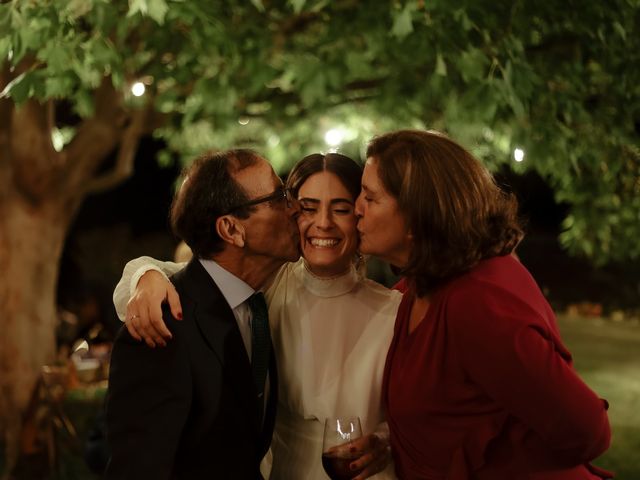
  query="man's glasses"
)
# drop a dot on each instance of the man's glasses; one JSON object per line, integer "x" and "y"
{"x": 279, "y": 194}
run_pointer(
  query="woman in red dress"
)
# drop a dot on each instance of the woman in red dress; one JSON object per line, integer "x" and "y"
{"x": 478, "y": 384}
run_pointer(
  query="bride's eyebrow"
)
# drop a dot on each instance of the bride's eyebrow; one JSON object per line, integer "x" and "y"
{"x": 333, "y": 201}
{"x": 341, "y": 200}
{"x": 308, "y": 200}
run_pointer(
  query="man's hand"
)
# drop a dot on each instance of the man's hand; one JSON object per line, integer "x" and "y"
{"x": 374, "y": 455}
{"x": 144, "y": 309}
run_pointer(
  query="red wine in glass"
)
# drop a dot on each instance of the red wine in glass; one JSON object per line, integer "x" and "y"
{"x": 339, "y": 432}
{"x": 337, "y": 465}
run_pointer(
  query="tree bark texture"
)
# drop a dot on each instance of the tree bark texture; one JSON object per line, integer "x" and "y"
{"x": 31, "y": 241}
{"x": 40, "y": 193}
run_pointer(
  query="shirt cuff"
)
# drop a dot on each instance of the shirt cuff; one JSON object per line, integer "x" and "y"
{"x": 135, "y": 278}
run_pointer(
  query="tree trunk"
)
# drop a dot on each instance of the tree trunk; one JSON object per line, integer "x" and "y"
{"x": 40, "y": 192}
{"x": 31, "y": 241}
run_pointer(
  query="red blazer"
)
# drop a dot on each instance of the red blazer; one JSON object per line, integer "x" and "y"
{"x": 483, "y": 388}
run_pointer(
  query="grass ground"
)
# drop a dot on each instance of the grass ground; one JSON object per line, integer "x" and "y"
{"x": 607, "y": 356}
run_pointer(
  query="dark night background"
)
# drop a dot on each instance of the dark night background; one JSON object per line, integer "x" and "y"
{"x": 131, "y": 220}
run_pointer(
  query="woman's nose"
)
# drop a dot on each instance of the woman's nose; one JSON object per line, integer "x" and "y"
{"x": 323, "y": 220}
{"x": 358, "y": 207}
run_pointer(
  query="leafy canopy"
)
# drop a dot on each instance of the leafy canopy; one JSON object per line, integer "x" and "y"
{"x": 558, "y": 80}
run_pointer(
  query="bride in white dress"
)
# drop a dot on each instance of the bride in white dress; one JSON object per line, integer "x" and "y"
{"x": 330, "y": 325}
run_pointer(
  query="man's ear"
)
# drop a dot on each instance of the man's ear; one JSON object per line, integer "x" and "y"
{"x": 230, "y": 230}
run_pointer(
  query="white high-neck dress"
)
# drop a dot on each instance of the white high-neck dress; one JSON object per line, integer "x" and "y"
{"x": 331, "y": 338}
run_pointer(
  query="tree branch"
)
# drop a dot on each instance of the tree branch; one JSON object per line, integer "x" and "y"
{"x": 96, "y": 137}
{"x": 123, "y": 167}
{"x": 37, "y": 167}
{"x": 112, "y": 127}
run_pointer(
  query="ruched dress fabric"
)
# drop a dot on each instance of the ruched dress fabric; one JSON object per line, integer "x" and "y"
{"x": 331, "y": 338}
{"x": 484, "y": 389}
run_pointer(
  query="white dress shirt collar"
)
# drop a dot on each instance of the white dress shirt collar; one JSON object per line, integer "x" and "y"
{"x": 234, "y": 290}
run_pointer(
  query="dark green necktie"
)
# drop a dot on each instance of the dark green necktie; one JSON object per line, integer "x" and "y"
{"x": 260, "y": 345}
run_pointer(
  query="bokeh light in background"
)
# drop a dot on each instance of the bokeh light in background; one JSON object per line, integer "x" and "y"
{"x": 333, "y": 138}
{"x": 138, "y": 89}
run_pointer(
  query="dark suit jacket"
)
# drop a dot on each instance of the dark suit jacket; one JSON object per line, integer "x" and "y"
{"x": 188, "y": 410}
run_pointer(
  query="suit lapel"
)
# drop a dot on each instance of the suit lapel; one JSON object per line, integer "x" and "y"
{"x": 220, "y": 331}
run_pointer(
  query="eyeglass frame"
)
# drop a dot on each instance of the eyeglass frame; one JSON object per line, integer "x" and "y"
{"x": 280, "y": 193}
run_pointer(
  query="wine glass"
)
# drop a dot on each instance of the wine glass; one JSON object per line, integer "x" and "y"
{"x": 339, "y": 432}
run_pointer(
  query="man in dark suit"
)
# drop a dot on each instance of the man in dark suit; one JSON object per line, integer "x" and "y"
{"x": 204, "y": 406}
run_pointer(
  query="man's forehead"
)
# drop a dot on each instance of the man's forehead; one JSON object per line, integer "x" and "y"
{"x": 258, "y": 176}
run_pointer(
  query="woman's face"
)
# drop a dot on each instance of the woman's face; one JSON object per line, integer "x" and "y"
{"x": 327, "y": 224}
{"x": 382, "y": 227}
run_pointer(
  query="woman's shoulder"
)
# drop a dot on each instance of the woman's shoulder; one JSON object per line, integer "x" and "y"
{"x": 497, "y": 273}
{"x": 500, "y": 287}
{"x": 378, "y": 291}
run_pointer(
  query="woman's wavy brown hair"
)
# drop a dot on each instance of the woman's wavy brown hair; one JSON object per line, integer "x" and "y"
{"x": 455, "y": 211}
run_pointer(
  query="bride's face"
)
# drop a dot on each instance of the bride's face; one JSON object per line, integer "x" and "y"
{"x": 327, "y": 223}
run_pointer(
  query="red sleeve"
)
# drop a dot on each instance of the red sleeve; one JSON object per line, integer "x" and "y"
{"x": 402, "y": 285}
{"x": 507, "y": 347}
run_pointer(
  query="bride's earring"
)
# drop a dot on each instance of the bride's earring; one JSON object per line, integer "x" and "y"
{"x": 359, "y": 261}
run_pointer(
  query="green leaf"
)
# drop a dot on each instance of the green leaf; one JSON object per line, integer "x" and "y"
{"x": 89, "y": 75}
{"x": 258, "y": 4}
{"x": 297, "y": 5}
{"x": 101, "y": 51}
{"x": 473, "y": 64}
{"x": 402, "y": 24}
{"x": 56, "y": 57}
{"x": 137, "y": 6}
{"x": 165, "y": 159}
{"x": 18, "y": 89}
{"x": 463, "y": 18}
{"x": 78, "y": 8}
{"x": 441, "y": 67}
{"x": 28, "y": 40}
{"x": 5, "y": 48}
{"x": 617, "y": 26}
{"x": 313, "y": 90}
{"x": 5, "y": 17}
{"x": 58, "y": 87}
{"x": 84, "y": 104}
{"x": 158, "y": 10}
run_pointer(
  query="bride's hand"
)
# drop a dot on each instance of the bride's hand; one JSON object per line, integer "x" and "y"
{"x": 374, "y": 455}
{"x": 144, "y": 309}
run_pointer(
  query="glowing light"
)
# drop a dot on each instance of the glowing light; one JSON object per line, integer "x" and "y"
{"x": 334, "y": 137}
{"x": 57, "y": 139}
{"x": 60, "y": 137}
{"x": 273, "y": 141}
{"x": 138, "y": 89}
{"x": 243, "y": 120}
{"x": 518, "y": 155}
